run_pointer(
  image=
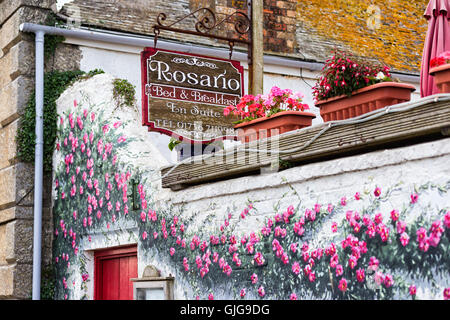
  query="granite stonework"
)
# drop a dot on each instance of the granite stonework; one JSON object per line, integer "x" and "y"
{"x": 17, "y": 69}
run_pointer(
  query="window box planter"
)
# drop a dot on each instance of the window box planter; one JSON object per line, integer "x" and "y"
{"x": 278, "y": 123}
{"x": 364, "y": 100}
{"x": 441, "y": 76}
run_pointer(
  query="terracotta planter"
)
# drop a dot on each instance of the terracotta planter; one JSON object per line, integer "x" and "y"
{"x": 441, "y": 76}
{"x": 364, "y": 100}
{"x": 276, "y": 124}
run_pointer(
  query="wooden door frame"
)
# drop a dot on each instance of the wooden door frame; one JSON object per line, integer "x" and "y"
{"x": 105, "y": 254}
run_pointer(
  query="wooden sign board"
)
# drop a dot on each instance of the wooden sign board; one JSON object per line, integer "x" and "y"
{"x": 184, "y": 95}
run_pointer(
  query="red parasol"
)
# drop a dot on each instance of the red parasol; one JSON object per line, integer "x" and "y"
{"x": 436, "y": 41}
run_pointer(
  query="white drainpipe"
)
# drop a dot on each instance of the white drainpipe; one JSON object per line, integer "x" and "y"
{"x": 38, "y": 165}
{"x": 38, "y": 162}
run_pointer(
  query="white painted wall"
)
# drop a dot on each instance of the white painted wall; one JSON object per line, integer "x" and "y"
{"x": 324, "y": 182}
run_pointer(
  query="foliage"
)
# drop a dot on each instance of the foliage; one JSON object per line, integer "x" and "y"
{"x": 48, "y": 281}
{"x": 55, "y": 83}
{"x": 440, "y": 60}
{"x": 342, "y": 74}
{"x": 172, "y": 143}
{"x": 124, "y": 92}
{"x": 253, "y": 107}
{"x": 51, "y": 41}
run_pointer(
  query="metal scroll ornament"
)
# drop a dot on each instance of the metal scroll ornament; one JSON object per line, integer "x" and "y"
{"x": 206, "y": 23}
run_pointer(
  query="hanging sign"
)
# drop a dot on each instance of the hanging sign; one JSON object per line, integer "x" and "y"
{"x": 184, "y": 95}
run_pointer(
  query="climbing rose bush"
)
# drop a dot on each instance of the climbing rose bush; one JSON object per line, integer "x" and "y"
{"x": 367, "y": 257}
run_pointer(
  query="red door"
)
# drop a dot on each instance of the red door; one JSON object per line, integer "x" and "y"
{"x": 113, "y": 270}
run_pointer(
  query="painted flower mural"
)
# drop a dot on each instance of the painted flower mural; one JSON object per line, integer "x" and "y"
{"x": 369, "y": 255}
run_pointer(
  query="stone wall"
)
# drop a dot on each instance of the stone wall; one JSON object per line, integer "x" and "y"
{"x": 17, "y": 68}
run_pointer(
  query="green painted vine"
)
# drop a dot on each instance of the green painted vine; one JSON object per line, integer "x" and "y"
{"x": 124, "y": 93}
{"x": 55, "y": 82}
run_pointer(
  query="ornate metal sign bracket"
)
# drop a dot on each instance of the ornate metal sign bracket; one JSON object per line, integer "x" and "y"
{"x": 206, "y": 23}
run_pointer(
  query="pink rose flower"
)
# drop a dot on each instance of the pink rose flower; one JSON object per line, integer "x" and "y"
{"x": 388, "y": 281}
{"x": 447, "y": 220}
{"x": 296, "y": 268}
{"x": 261, "y": 292}
{"x": 404, "y": 239}
{"x": 446, "y": 294}
{"x": 334, "y": 227}
{"x": 312, "y": 276}
{"x": 412, "y": 290}
{"x": 339, "y": 270}
{"x": 377, "y": 192}
{"x": 394, "y": 215}
{"x": 373, "y": 263}
{"x": 360, "y": 275}
{"x": 343, "y": 285}
{"x": 254, "y": 278}
{"x": 352, "y": 262}
{"x": 401, "y": 227}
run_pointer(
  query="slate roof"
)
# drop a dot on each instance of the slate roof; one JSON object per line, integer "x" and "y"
{"x": 392, "y": 32}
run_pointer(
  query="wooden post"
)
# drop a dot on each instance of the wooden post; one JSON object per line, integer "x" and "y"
{"x": 256, "y": 65}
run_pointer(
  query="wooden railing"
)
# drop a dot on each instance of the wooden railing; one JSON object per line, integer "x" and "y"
{"x": 403, "y": 124}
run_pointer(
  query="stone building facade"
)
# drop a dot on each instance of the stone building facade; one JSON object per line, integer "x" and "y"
{"x": 283, "y": 31}
{"x": 17, "y": 67}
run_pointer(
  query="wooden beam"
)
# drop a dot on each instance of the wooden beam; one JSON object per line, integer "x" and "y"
{"x": 256, "y": 67}
{"x": 428, "y": 120}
